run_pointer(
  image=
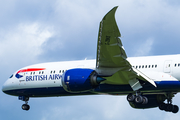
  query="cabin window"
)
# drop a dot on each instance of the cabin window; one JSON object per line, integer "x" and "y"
{"x": 11, "y": 76}
{"x": 42, "y": 72}
{"x": 143, "y": 66}
{"x": 139, "y": 66}
{"x": 136, "y": 67}
{"x": 51, "y": 71}
{"x": 146, "y": 66}
{"x": 33, "y": 72}
{"x": 60, "y": 71}
{"x": 63, "y": 71}
{"x": 178, "y": 65}
{"x": 54, "y": 71}
{"x": 174, "y": 65}
{"x": 155, "y": 66}
{"x": 149, "y": 66}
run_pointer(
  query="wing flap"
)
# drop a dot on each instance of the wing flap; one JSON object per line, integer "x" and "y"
{"x": 140, "y": 74}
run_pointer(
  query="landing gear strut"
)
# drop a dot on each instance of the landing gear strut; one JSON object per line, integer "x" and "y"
{"x": 169, "y": 107}
{"x": 26, "y": 99}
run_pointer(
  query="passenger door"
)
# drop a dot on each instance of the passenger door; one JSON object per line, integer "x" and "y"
{"x": 167, "y": 66}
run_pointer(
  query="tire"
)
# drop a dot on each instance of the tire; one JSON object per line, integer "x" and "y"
{"x": 28, "y": 107}
{"x": 25, "y": 107}
{"x": 130, "y": 97}
{"x": 139, "y": 99}
{"x": 162, "y": 106}
{"x": 145, "y": 100}
{"x": 176, "y": 109}
{"x": 169, "y": 108}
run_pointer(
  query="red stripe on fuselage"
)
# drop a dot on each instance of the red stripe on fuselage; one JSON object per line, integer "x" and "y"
{"x": 30, "y": 70}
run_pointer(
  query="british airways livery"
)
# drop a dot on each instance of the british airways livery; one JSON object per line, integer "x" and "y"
{"x": 148, "y": 82}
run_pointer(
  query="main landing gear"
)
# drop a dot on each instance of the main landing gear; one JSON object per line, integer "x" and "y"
{"x": 138, "y": 98}
{"x": 169, "y": 107}
{"x": 26, "y": 99}
{"x": 139, "y": 101}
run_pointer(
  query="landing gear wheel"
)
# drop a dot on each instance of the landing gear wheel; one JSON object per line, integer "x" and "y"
{"x": 25, "y": 99}
{"x": 176, "y": 109}
{"x": 145, "y": 100}
{"x": 25, "y": 107}
{"x": 162, "y": 106}
{"x": 169, "y": 108}
{"x": 139, "y": 99}
{"x": 130, "y": 97}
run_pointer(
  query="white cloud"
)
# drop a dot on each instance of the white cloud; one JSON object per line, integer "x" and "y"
{"x": 135, "y": 19}
{"x": 23, "y": 43}
{"x": 144, "y": 48}
{"x": 87, "y": 107}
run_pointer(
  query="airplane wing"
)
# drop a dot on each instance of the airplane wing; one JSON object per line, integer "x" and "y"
{"x": 111, "y": 61}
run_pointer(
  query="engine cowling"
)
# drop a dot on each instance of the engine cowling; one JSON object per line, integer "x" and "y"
{"x": 153, "y": 101}
{"x": 80, "y": 80}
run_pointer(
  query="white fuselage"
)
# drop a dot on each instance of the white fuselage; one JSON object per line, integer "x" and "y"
{"x": 158, "y": 68}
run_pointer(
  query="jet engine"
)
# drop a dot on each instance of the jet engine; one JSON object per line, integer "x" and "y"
{"x": 80, "y": 80}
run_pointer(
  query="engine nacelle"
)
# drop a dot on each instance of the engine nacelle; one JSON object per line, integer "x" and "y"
{"x": 153, "y": 101}
{"x": 80, "y": 80}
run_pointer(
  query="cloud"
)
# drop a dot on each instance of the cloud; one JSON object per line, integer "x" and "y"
{"x": 144, "y": 48}
{"x": 23, "y": 42}
{"x": 86, "y": 107}
{"x": 76, "y": 26}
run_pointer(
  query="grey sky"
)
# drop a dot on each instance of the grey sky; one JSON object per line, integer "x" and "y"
{"x": 43, "y": 31}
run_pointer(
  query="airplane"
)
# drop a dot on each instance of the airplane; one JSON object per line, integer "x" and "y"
{"x": 148, "y": 82}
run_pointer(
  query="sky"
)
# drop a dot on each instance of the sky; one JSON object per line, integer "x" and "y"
{"x": 41, "y": 31}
